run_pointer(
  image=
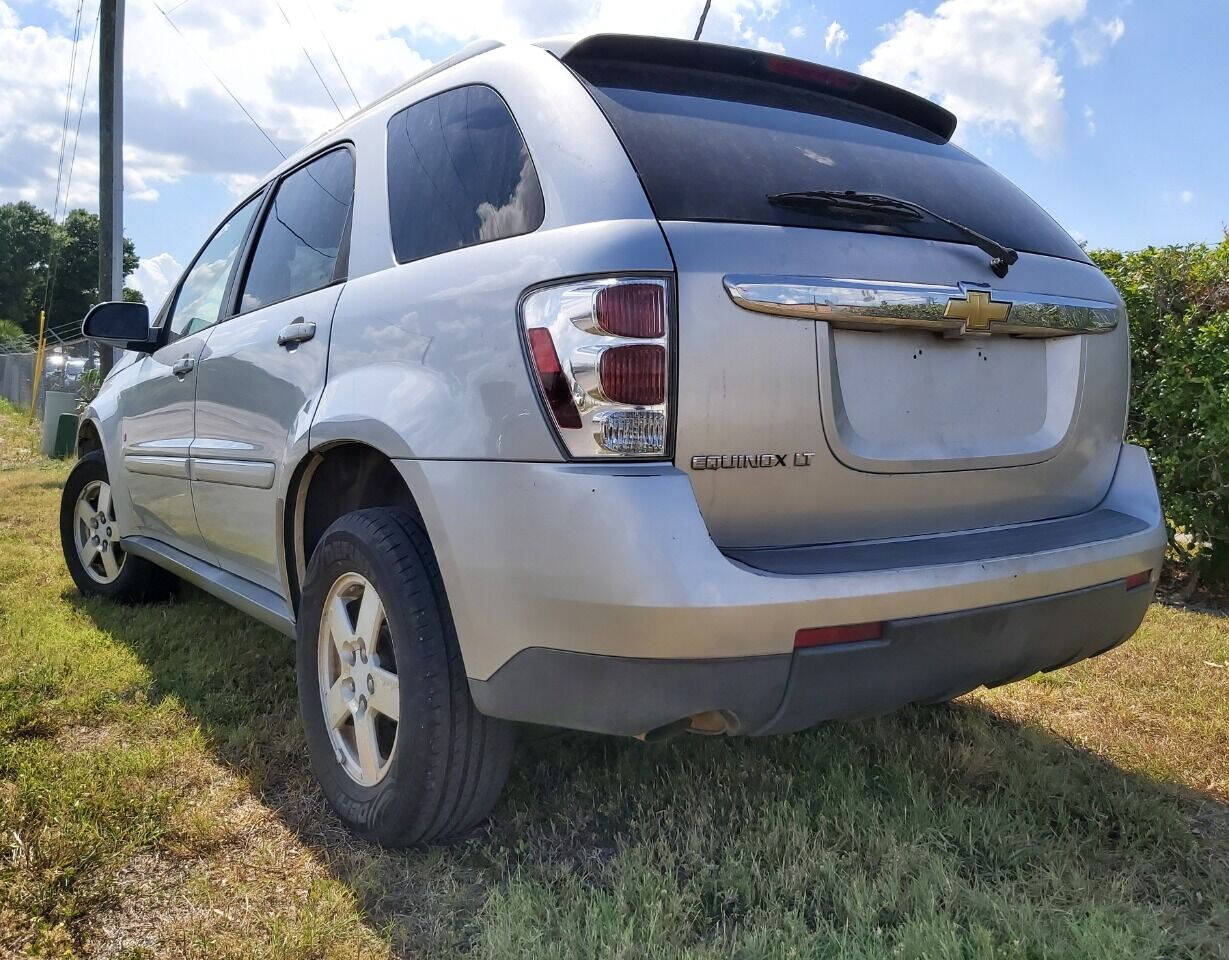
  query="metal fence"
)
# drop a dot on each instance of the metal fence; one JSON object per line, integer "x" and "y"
{"x": 64, "y": 365}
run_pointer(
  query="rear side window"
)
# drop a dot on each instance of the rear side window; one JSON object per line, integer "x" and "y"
{"x": 711, "y": 146}
{"x": 459, "y": 174}
{"x": 304, "y": 233}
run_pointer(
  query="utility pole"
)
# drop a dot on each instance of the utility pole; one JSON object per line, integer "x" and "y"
{"x": 111, "y": 159}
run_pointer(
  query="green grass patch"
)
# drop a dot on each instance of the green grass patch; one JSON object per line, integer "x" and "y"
{"x": 155, "y": 801}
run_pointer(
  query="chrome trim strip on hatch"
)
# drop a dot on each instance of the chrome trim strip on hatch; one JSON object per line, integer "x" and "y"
{"x": 952, "y": 311}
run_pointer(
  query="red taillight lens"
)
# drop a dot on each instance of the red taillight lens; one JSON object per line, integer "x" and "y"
{"x": 550, "y": 376}
{"x": 634, "y": 374}
{"x": 1141, "y": 579}
{"x": 632, "y": 310}
{"x": 846, "y": 633}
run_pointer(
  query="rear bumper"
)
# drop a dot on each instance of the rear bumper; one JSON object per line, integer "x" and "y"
{"x": 550, "y": 567}
{"x": 918, "y": 660}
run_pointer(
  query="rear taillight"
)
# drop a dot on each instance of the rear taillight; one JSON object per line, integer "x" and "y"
{"x": 600, "y": 352}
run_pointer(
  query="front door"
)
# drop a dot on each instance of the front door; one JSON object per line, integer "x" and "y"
{"x": 156, "y": 410}
{"x": 263, "y": 369}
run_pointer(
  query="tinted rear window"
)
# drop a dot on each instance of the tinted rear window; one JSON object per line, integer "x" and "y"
{"x": 711, "y": 146}
{"x": 459, "y": 173}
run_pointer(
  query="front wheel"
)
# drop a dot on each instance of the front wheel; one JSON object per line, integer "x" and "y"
{"x": 89, "y": 535}
{"x": 400, "y": 751}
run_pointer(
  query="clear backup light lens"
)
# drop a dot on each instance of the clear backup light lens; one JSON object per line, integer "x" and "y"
{"x": 599, "y": 350}
{"x": 632, "y": 431}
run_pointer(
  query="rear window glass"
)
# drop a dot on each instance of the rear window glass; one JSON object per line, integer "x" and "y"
{"x": 711, "y": 146}
{"x": 459, "y": 173}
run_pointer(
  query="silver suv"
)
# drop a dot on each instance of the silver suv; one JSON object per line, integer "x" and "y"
{"x": 627, "y": 385}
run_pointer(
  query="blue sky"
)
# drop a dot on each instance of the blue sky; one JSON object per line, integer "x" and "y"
{"x": 1110, "y": 113}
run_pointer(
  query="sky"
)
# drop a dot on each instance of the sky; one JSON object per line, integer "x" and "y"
{"x": 1110, "y": 113}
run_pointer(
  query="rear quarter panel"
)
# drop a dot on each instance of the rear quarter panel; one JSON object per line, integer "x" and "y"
{"x": 425, "y": 358}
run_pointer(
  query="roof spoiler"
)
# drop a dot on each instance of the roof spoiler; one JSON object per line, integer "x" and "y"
{"x": 718, "y": 58}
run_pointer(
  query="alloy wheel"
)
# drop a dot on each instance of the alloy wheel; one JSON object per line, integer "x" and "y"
{"x": 95, "y": 533}
{"x": 359, "y": 689}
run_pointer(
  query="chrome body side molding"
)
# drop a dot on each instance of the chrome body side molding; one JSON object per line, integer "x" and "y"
{"x": 157, "y": 466}
{"x": 253, "y": 599}
{"x": 951, "y": 311}
{"x": 239, "y": 473}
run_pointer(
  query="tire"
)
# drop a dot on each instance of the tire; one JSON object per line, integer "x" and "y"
{"x": 435, "y": 771}
{"x": 91, "y": 535}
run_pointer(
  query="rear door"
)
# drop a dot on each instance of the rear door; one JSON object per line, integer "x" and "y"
{"x": 157, "y": 409}
{"x": 862, "y": 377}
{"x": 262, "y": 370}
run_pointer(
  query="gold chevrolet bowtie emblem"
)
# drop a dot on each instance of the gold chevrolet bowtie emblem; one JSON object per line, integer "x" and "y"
{"x": 977, "y": 310}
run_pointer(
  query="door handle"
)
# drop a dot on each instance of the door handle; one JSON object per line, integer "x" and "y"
{"x": 183, "y": 366}
{"x": 298, "y": 332}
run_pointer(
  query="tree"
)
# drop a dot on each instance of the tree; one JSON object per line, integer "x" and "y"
{"x": 75, "y": 287}
{"x": 26, "y": 235}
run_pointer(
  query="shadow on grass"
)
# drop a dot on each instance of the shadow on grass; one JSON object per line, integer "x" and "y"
{"x": 932, "y": 827}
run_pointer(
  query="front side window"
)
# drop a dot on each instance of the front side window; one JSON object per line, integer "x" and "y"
{"x": 303, "y": 234}
{"x": 199, "y": 303}
{"x": 459, "y": 174}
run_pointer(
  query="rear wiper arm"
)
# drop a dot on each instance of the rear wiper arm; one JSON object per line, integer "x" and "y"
{"x": 852, "y": 201}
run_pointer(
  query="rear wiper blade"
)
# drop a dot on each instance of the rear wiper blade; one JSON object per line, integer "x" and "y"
{"x": 853, "y": 201}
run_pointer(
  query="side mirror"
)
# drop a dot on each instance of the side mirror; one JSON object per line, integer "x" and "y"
{"x": 121, "y": 324}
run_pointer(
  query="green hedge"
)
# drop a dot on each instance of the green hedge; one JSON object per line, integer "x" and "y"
{"x": 1178, "y": 302}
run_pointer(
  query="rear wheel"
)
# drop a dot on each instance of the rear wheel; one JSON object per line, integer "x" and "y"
{"x": 400, "y": 751}
{"x": 89, "y": 535}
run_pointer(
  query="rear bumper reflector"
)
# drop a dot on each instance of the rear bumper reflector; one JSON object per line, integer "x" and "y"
{"x": 1137, "y": 580}
{"x": 846, "y": 633}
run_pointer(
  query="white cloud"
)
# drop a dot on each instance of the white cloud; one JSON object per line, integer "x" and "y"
{"x": 834, "y": 38}
{"x": 797, "y": 32}
{"x": 1090, "y": 120}
{"x": 180, "y": 123}
{"x": 992, "y": 64}
{"x": 769, "y": 46}
{"x": 1186, "y": 196}
{"x": 154, "y": 278}
{"x": 1092, "y": 42}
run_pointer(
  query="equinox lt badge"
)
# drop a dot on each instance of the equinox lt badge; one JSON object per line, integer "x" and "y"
{"x": 738, "y": 461}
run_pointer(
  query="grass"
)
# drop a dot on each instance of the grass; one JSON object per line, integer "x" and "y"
{"x": 155, "y": 802}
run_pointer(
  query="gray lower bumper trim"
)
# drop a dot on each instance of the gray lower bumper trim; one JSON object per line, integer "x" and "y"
{"x": 917, "y": 660}
{"x": 628, "y": 695}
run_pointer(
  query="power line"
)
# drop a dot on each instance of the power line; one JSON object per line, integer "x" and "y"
{"x": 68, "y": 99}
{"x": 703, "y": 15}
{"x": 303, "y": 47}
{"x": 55, "y": 204}
{"x": 221, "y": 82}
{"x": 85, "y": 86}
{"x": 325, "y": 37}
{"x": 53, "y": 265}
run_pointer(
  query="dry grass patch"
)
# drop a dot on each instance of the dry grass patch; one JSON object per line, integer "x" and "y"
{"x": 20, "y": 437}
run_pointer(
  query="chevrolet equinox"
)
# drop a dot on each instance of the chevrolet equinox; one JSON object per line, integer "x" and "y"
{"x": 628, "y": 385}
